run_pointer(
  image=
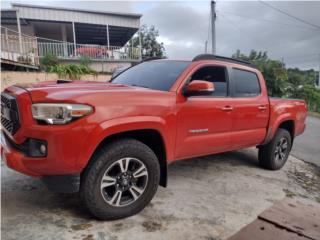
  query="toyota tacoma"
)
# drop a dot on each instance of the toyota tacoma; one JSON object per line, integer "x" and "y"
{"x": 112, "y": 141}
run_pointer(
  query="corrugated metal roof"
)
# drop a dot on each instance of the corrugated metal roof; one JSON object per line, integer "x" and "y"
{"x": 75, "y": 15}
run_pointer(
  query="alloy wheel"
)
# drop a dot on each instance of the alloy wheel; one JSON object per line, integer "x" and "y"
{"x": 124, "y": 182}
{"x": 281, "y": 150}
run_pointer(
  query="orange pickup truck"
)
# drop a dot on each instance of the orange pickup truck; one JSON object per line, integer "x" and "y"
{"x": 113, "y": 141}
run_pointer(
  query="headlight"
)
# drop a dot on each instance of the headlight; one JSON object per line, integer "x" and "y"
{"x": 59, "y": 113}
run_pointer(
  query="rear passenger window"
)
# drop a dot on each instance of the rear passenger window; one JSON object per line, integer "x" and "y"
{"x": 246, "y": 84}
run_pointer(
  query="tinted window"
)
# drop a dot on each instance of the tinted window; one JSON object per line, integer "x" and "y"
{"x": 159, "y": 75}
{"x": 216, "y": 75}
{"x": 246, "y": 83}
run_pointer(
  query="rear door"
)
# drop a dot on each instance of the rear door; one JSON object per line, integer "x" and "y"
{"x": 250, "y": 113}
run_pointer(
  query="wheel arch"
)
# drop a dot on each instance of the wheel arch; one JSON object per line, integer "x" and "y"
{"x": 151, "y": 133}
{"x": 289, "y": 126}
{"x": 287, "y": 123}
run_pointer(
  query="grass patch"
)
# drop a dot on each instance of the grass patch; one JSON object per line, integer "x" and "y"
{"x": 314, "y": 114}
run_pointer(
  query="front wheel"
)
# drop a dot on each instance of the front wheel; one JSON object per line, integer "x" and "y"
{"x": 120, "y": 180}
{"x": 275, "y": 154}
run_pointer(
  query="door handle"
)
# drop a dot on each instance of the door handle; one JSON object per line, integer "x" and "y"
{"x": 227, "y": 108}
{"x": 262, "y": 107}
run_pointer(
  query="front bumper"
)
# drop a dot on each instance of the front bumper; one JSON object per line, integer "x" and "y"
{"x": 13, "y": 158}
{"x": 64, "y": 143}
{"x": 64, "y": 146}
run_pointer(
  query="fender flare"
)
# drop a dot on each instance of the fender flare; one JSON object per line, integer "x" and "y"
{"x": 121, "y": 125}
{"x": 274, "y": 125}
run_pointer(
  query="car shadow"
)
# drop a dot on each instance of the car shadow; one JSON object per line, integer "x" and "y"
{"x": 41, "y": 199}
{"x": 248, "y": 158}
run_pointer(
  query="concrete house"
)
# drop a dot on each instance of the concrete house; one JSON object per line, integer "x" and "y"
{"x": 28, "y": 32}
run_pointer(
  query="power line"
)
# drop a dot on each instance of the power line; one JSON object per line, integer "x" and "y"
{"x": 242, "y": 31}
{"x": 289, "y": 15}
{"x": 267, "y": 20}
{"x": 303, "y": 56}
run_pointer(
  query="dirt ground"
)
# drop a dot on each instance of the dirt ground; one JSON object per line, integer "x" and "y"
{"x": 208, "y": 198}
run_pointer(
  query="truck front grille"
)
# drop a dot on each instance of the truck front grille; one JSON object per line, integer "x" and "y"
{"x": 9, "y": 113}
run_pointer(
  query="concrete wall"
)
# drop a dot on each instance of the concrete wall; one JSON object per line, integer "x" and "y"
{"x": 103, "y": 66}
{"x": 9, "y": 78}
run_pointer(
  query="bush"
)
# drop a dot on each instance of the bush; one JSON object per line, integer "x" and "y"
{"x": 312, "y": 97}
{"x": 49, "y": 60}
{"x": 71, "y": 71}
{"x": 85, "y": 60}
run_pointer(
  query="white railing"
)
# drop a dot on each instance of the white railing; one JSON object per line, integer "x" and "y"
{"x": 27, "y": 49}
{"x": 21, "y": 49}
{"x": 66, "y": 50}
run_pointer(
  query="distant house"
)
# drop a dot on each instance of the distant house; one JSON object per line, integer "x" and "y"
{"x": 28, "y": 32}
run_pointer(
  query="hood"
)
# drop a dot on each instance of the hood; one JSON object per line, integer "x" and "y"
{"x": 51, "y": 91}
{"x": 66, "y": 84}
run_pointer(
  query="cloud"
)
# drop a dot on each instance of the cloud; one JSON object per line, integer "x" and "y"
{"x": 183, "y": 26}
{"x": 240, "y": 25}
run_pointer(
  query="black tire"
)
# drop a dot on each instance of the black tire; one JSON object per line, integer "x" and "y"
{"x": 268, "y": 158}
{"x": 103, "y": 158}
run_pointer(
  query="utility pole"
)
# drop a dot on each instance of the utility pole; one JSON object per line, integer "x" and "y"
{"x": 213, "y": 26}
{"x": 282, "y": 62}
{"x": 318, "y": 85}
{"x": 206, "y": 47}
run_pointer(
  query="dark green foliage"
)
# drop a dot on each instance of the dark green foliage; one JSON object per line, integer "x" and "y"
{"x": 282, "y": 82}
{"x": 49, "y": 60}
{"x": 71, "y": 71}
{"x": 85, "y": 60}
{"x": 150, "y": 46}
{"x": 273, "y": 71}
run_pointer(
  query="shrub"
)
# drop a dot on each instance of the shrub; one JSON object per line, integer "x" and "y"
{"x": 49, "y": 60}
{"x": 71, "y": 71}
{"x": 312, "y": 97}
{"x": 85, "y": 60}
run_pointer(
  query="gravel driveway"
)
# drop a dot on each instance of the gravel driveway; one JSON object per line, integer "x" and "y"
{"x": 207, "y": 198}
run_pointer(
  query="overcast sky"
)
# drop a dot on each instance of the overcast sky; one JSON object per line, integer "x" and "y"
{"x": 183, "y": 26}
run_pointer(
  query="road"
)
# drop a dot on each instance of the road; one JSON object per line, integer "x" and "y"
{"x": 207, "y": 198}
{"x": 307, "y": 146}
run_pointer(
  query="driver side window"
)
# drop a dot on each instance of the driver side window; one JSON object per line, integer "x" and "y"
{"x": 215, "y": 74}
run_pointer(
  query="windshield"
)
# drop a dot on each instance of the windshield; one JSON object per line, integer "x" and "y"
{"x": 158, "y": 75}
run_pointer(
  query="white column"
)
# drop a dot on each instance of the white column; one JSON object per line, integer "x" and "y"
{"x": 139, "y": 32}
{"x": 108, "y": 37}
{"x": 19, "y": 31}
{"x": 64, "y": 39}
{"x": 7, "y": 39}
{"x": 74, "y": 38}
{"x": 131, "y": 52}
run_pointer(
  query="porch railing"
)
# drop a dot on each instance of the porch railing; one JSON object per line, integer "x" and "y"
{"x": 26, "y": 49}
{"x": 21, "y": 49}
{"x": 66, "y": 50}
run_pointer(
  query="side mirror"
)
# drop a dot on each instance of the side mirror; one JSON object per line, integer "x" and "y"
{"x": 199, "y": 88}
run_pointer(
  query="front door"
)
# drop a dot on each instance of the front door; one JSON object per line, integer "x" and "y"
{"x": 204, "y": 122}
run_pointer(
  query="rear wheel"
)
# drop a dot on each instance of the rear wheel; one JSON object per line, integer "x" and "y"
{"x": 121, "y": 179}
{"x": 275, "y": 154}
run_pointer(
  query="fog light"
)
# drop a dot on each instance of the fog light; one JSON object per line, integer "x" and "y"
{"x": 37, "y": 148}
{"x": 43, "y": 149}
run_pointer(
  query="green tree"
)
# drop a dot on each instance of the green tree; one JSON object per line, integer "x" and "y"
{"x": 282, "y": 82}
{"x": 150, "y": 45}
{"x": 273, "y": 71}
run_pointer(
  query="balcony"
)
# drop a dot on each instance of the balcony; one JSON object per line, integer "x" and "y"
{"x": 70, "y": 51}
{"x": 23, "y": 50}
